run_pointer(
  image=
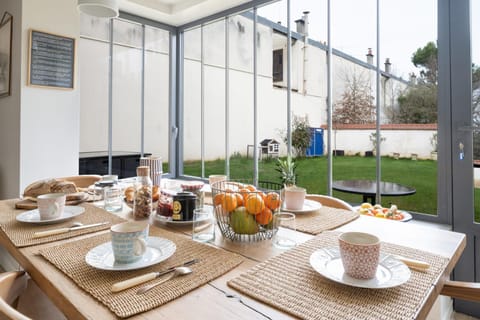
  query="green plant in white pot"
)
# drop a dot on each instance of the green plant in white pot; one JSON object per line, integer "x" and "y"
{"x": 293, "y": 196}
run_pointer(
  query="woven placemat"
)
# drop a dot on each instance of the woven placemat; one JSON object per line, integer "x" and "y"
{"x": 325, "y": 218}
{"x": 289, "y": 283}
{"x": 21, "y": 234}
{"x": 70, "y": 258}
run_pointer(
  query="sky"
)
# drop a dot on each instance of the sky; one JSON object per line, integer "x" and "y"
{"x": 405, "y": 26}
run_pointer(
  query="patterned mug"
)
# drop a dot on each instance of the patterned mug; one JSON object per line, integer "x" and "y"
{"x": 129, "y": 241}
{"x": 360, "y": 253}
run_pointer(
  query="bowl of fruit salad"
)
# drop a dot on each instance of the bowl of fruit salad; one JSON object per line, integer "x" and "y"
{"x": 392, "y": 213}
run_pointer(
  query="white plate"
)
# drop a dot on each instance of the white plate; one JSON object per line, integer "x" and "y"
{"x": 33, "y": 216}
{"x": 308, "y": 206}
{"x": 168, "y": 220}
{"x": 158, "y": 250}
{"x": 406, "y": 216}
{"x": 390, "y": 272}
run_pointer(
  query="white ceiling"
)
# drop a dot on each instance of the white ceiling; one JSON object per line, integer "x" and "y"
{"x": 177, "y": 12}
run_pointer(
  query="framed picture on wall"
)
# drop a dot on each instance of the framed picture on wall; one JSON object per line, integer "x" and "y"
{"x": 6, "y": 28}
{"x": 51, "y": 60}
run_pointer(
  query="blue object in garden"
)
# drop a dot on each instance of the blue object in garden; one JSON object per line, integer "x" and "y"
{"x": 316, "y": 143}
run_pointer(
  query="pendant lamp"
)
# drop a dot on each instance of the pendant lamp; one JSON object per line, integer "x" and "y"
{"x": 99, "y": 8}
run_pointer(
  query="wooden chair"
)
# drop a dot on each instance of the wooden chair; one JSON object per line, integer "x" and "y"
{"x": 462, "y": 290}
{"x": 12, "y": 284}
{"x": 330, "y": 201}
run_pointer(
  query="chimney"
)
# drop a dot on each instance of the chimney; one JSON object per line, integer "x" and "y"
{"x": 305, "y": 21}
{"x": 302, "y": 24}
{"x": 388, "y": 66}
{"x": 370, "y": 56}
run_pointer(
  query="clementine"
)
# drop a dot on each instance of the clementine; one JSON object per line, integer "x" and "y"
{"x": 239, "y": 199}
{"x": 229, "y": 202}
{"x": 264, "y": 217}
{"x": 254, "y": 203}
{"x": 245, "y": 193}
{"x": 272, "y": 200}
{"x": 218, "y": 199}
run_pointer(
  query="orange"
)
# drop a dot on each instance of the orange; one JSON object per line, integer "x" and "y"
{"x": 218, "y": 199}
{"x": 244, "y": 192}
{"x": 272, "y": 200}
{"x": 239, "y": 199}
{"x": 263, "y": 195}
{"x": 254, "y": 203}
{"x": 264, "y": 217}
{"x": 251, "y": 187}
{"x": 229, "y": 202}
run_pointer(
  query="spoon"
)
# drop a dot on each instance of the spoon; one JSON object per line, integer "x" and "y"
{"x": 180, "y": 271}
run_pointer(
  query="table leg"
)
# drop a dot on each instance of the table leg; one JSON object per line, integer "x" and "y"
{"x": 368, "y": 198}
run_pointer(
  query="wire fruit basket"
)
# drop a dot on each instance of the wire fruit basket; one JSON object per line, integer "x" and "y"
{"x": 245, "y": 212}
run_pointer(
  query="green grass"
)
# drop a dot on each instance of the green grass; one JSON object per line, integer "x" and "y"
{"x": 312, "y": 174}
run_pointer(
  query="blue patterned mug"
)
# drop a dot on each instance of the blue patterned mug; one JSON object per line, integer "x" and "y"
{"x": 129, "y": 241}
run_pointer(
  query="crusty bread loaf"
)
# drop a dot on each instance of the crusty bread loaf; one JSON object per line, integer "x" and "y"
{"x": 49, "y": 186}
{"x": 39, "y": 187}
{"x": 63, "y": 187}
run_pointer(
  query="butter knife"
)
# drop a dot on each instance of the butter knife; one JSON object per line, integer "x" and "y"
{"x": 413, "y": 264}
{"x": 47, "y": 233}
{"x": 122, "y": 285}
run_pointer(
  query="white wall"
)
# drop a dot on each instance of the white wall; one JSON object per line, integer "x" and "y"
{"x": 39, "y": 126}
{"x": 10, "y": 111}
{"x": 404, "y": 142}
{"x": 50, "y": 118}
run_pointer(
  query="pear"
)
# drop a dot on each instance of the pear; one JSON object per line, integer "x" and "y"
{"x": 243, "y": 222}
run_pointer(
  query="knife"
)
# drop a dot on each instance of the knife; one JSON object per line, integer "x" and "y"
{"x": 122, "y": 285}
{"x": 41, "y": 234}
{"x": 414, "y": 264}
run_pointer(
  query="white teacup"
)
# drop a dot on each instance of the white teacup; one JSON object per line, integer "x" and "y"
{"x": 51, "y": 205}
{"x": 129, "y": 241}
{"x": 360, "y": 253}
{"x": 294, "y": 198}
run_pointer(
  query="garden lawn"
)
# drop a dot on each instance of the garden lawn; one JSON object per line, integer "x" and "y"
{"x": 312, "y": 174}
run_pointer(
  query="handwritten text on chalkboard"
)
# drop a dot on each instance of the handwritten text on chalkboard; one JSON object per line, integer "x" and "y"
{"x": 52, "y": 60}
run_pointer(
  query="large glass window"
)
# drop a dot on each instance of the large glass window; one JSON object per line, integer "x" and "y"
{"x": 140, "y": 91}
{"x": 475, "y": 9}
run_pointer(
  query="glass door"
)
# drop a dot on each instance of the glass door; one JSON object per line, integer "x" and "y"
{"x": 463, "y": 62}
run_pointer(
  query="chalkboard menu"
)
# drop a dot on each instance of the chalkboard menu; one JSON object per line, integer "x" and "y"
{"x": 52, "y": 60}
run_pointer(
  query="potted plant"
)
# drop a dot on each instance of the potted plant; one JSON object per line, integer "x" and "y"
{"x": 292, "y": 195}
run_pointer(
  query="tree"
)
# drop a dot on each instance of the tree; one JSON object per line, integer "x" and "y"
{"x": 301, "y": 136}
{"x": 418, "y": 104}
{"x": 427, "y": 59}
{"x": 356, "y": 105}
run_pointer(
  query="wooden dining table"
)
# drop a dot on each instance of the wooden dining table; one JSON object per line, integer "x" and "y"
{"x": 216, "y": 299}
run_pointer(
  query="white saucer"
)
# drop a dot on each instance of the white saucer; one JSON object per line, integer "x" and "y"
{"x": 33, "y": 216}
{"x": 158, "y": 250}
{"x": 390, "y": 272}
{"x": 169, "y": 221}
{"x": 308, "y": 206}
